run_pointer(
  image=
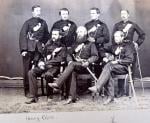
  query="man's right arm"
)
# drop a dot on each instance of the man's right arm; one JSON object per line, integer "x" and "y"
{"x": 23, "y": 38}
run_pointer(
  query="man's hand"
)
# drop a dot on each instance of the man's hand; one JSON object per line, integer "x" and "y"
{"x": 85, "y": 64}
{"x": 136, "y": 45}
{"x": 24, "y": 53}
{"x": 114, "y": 62}
{"x": 109, "y": 57}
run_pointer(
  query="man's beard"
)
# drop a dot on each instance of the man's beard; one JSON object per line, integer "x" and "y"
{"x": 81, "y": 39}
{"x": 54, "y": 39}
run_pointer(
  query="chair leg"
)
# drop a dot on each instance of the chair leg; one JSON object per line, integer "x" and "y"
{"x": 130, "y": 90}
{"x": 49, "y": 90}
{"x": 126, "y": 86}
{"x": 42, "y": 86}
{"x": 131, "y": 85}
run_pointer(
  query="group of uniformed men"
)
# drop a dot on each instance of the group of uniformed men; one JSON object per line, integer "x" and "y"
{"x": 43, "y": 52}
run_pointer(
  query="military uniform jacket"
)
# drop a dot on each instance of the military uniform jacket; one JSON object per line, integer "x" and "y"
{"x": 31, "y": 39}
{"x": 88, "y": 52}
{"x": 59, "y": 57}
{"x": 127, "y": 54}
{"x": 68, "y": 38}
{"x": 130, "y": 34}
{"x": 101, "y": 35}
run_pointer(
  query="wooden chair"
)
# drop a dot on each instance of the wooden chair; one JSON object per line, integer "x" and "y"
{"x": 43, "y": 84}
{"x": 128, "y": 80}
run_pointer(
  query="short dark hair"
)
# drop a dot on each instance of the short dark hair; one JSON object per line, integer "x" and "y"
{"x": 125, "y": 10}
{"x": 97, "y": 9}
{"x": 63, "y": 9}
{"x": 35, "y": 6}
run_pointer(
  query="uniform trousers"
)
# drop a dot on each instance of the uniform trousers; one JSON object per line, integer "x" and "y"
{"x": 49, "y": 74}
{"x": 107, "y": 74}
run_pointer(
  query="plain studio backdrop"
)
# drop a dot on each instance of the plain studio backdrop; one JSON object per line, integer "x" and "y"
{"x": 13, "y": 13}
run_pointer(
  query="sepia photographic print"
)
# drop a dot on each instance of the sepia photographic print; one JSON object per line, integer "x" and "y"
{"x": 74, "y": 61}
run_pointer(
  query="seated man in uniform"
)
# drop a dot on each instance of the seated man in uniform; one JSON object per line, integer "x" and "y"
{"x": 55, "y": 54}
{"x": 123, "y": 56}
{"x": 83, "y": 54}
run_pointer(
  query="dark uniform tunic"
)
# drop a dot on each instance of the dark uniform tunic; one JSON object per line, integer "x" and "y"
{"x": 130, "y": 34}
{"x": 88, "y": 53}
{"x": 101, "y": 35}
{"x": 52, "y": 67}
{"x": 68, "y": 37}
{"x": 31, "y": 40}
{"x": 41, "y": 35}
{"x": 60, "y": 56}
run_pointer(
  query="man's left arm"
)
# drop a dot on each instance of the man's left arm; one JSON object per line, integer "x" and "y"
{"x": 141, "y": 35}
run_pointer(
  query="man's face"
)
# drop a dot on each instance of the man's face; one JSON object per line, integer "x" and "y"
{"x": 55, "y": 35}
{"x": 124, "y": 15}
{"x": 94, "y": 15}
{"x": 118, "y": 38}
{"x": 36, "y": 12}
{"x": 64, "y": 15}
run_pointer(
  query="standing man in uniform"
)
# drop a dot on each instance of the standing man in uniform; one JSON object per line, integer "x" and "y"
{"x": 67, "y": 28}
{"x": 129, "y": 28}
{"x": 33, "y": 35}
{"x": 98, "y": 30}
